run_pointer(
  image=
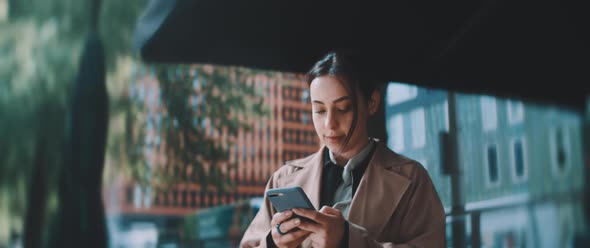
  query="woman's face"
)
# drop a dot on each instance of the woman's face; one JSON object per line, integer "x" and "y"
{"x": 333, "y": 113}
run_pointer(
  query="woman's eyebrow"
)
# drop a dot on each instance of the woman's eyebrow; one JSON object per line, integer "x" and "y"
{"x": 335, "y": 101}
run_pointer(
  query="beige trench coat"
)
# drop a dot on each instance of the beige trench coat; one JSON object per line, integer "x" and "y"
{"x": 395, "y": 205}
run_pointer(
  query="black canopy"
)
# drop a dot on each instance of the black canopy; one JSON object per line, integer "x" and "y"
{"x": 534, "y": 50}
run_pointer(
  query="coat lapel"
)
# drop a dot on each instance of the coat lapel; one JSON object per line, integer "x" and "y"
{"x": 380, "y": 189}
{"x": 308, "y": 176}
{"x": 379, "y": 192}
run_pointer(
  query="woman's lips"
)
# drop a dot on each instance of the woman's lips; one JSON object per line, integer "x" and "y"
{"x": 333, "y": 139}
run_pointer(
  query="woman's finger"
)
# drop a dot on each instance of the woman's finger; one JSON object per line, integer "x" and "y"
{"x": 294, "y": 236}
{"x": 288, "y": 225}
{"x": 310, "y": 226}
{"x": 281, "y": 217}
{"x": 311, "y": 214}
{"x": 330, "y": 211}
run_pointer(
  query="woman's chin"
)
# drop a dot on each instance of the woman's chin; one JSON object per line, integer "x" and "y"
{"x": 334, "y": 147}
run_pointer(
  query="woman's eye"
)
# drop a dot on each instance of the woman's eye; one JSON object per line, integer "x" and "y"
{"x": 343, "y": 110}
{"x": 319, "y": 111}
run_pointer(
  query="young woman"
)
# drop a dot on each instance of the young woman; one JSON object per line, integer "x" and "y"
{"x": 368, "y": 195}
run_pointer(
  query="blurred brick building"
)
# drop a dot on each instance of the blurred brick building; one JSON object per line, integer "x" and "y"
{"x": 286, "y": 133}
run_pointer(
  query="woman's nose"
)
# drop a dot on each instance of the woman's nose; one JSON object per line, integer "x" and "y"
{"x": 331, "y": 121}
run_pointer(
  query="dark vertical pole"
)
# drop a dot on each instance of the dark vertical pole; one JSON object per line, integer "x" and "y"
{"x": 81, "y": 221}
{"x": 475, "y": 230}
{"x": 37, "y": 192}
{"x": 457, "y": 202}
{"x": 586, "y": 149}
{"x": 583, "y": 239}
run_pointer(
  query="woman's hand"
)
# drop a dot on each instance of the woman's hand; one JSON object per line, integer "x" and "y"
{"x": 291, "y": 236}
{"x": 329, "y": 227}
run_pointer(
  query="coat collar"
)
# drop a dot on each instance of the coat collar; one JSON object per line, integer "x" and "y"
{"x": 381, "y": 187}
{"x": 307, "y": 174}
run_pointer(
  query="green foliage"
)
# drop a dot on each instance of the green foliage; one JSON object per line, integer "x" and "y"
{"x": 40, "y": 49}
{"x": 197, "y": 105}
{"x": 40, "y": 45}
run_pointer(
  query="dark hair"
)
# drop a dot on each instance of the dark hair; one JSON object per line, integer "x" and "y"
{"x": 351, "y": 70}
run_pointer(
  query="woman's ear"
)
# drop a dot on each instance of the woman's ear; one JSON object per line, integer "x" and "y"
{"x": 374, "y": 102}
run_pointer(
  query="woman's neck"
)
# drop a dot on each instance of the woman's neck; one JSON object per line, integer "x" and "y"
{"x": 343, "y": 158}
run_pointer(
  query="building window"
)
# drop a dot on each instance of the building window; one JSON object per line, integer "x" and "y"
{"x": 288, "y": 92}
{"x": 193, "y": 199}
{"x": 202, "y": 199}
{"x": 398, "y": 93}
{"x": 446, "y": 110}
{"x": 286, "y": 135}
{"x": 184, "y": 199}
{"x": 515, "y": 112}
{"x": 559, "y": 149}
{"x": 292, "y": 114}
{"x": 163, "y": 198}
{"x": 129, "y": 195}
{"x": 489, "y": 113}
{"x": 284, "y": 92}
{"x": 175, "y": 170}
{"x": 492, "y": 162}
{"x": 210, "y": 199}
{"x": 219, "y": 198}
{"x": 176, "y": 196}
{"x": 137, "y": 196}
{"x": 286, "y": 114}
{"x": 396, "y": 129}
{"x": 519, "y": 159}
{"x": 305, "y": 96}
{"x": 418, "y": 128}
{"x": 296, "y": 93}
{"x": 157, "y": 199}
{"x": 147, "y": 197}
{"x": 304, "y": 117}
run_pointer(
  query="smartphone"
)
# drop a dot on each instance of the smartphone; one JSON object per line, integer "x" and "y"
{"x": 288, "y": 198}
{"x": 284, "y": 199}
